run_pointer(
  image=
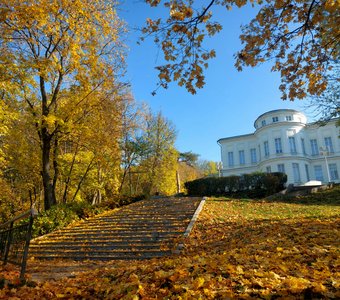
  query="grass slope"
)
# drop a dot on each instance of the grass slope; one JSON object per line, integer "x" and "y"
{"x": 239, "y": 249}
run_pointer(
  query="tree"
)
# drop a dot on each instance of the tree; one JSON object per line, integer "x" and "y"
{"x": 327, "y": 105}
{"x": 6, "y": 118}
{"x": 55, "y": 55}
{"x": 132, "y": 143}
{"x": 186, "y": 162}
{"x": 89, "y": 156}
{"x": 301, "y": 37}
{"x": 188, "y": 157}
{"x": 208, "y": 168}
{"x": 159, "y": 162}
{"x": 9, "y": 203}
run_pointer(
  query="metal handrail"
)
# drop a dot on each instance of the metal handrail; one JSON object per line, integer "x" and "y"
{"x": 31, "y": 212}
{"x": 8, "y": 230}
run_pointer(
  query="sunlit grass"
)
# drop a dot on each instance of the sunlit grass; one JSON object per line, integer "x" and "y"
{"x": 319, "y": 205}
{"x": 240, "y": 210}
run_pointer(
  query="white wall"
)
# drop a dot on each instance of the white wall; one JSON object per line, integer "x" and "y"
{"x": 298, "y": 128}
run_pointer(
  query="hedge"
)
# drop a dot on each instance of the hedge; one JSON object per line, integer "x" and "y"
{"x": 255, "y": 185}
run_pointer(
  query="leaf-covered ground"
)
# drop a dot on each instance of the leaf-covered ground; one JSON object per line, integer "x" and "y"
{"x": 239, "y": 249}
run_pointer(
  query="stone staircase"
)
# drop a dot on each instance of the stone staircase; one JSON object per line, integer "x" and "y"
{"x": 142, "y": 230}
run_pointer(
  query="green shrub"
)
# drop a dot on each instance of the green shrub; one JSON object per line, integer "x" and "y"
{"x": 254, "y": 185}
{"x": 270, "y": 184}
{"x": 56, "y": 217}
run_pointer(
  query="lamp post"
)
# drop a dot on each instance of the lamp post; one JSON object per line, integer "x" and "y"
{"x": 324, "y": 151}
{"x": 219, "y": 168}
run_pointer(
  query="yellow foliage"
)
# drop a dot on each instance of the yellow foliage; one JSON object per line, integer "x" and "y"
{"x": 299, "y": 38}
{"x": 58, "y": 67}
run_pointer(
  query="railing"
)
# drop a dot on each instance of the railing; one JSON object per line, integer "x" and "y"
{"x": 15, "y": 240}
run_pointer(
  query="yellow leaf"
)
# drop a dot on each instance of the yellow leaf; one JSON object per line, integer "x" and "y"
{"x": 239, "y": 270}
{"x": 198, "y": 282}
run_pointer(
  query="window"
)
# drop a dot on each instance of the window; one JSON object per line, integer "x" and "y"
{"x": 296, "y": 172}
{"x": 278, "y": 145}
{"x": 314, "y": 146}
{"x": 263, "y": 122}
{"x": 318, "y": 173}
{"x": 230, "y": 159}
{"x": 266, "y": 148}
{"x": 281, "y": 168}
{"x": 329, "y": 144}
{"x": 333, "y": 172}
{"x": 275, "y": 119}
{"x": 307, "y": 172}
{"x": 269, "y": 169}
{"x": 241, "y": 157}
{"x": 253, "y": 157}
{"x": 289, "y": 118}
{"x": 292, "y": 144}
{"x": 303, "y": 146}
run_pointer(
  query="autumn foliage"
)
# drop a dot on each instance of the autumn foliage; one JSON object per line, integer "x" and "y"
{"x": 300, "y": 38}
{"x": 239, "y": 249}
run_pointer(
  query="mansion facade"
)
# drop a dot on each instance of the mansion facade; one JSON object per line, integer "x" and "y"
{"x": 283, "y": 141}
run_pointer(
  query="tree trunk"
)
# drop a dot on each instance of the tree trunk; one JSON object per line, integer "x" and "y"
{"x": 178, "y": 182}
{"x": 68, "y": 179}
{"x": 123, "y": 180}
{"x": 46, "y": 140}
{"x": 49, "y": 200}
{"x": 55, "y": 167}
{"x": 97, "y": 198}
{"x": 82, "y": 179}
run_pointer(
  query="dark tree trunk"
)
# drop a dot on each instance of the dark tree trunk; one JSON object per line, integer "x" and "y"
{"x": 49, "y": 200}
{"x": 55, "y": 167}
{"x": 46, "y": 141}
{"x": 68, "y": 179}
{"x": 82, "y": 179}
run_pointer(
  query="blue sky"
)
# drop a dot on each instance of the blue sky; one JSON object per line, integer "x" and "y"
{"x": 230, "y": 101}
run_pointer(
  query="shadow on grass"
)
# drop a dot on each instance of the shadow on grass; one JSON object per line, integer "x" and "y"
{"x": 328, "y": 197}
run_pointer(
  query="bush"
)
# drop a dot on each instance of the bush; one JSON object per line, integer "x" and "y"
{"x": 254, "y": 185}
{"x": 56, "y": 217}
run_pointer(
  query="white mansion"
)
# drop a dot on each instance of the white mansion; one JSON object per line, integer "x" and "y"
{"x": 283, "y": 141}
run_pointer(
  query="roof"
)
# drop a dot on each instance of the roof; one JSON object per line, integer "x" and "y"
{"x": 276, "y": 111}
{"x": 234, "y": 137}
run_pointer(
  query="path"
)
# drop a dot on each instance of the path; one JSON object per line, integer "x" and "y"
{"x": 145, "y": 229}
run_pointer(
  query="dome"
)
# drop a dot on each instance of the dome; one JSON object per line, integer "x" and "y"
{"x": 279, "y": 116}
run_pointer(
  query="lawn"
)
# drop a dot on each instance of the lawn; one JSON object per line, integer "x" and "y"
{"x": 239, "y": 249}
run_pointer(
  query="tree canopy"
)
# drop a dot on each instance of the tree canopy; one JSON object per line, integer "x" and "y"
{"x": 59, "y": 61}
{"x": 327, "y": 105}
{"x": 301, "y": 38}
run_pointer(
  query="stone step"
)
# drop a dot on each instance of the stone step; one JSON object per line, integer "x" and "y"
{"x": 109, "y": 255}
{"x": 141, "y": 230}
{"x": 99, "y": 240}
{"x": 122, "y": 228}
{"x": 129, "y": 219}
{"x": 108, "y": 235}
{"x": 42, "y": 247}
{"x": 96, "y": 250}
{"x": 79, "y": 241}
{"x": 102, "y": 258}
